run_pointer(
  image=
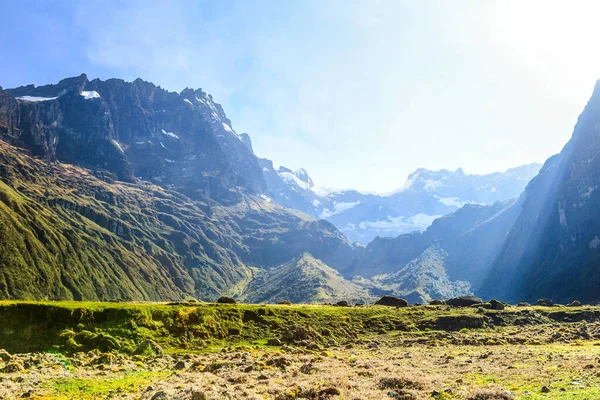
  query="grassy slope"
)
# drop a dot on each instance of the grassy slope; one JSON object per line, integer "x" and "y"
{"x": 305, "y": 277}
{"x": 66, "y": 234}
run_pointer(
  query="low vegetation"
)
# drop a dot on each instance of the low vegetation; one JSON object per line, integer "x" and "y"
{"x": 229, "y": 351}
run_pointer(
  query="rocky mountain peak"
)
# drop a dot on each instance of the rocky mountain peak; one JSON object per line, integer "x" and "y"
{"x": 136, "y": 130}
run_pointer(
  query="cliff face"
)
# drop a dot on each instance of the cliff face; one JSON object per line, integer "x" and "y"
{"x": 553, "y": 249}
{"x": 136, "y": 131}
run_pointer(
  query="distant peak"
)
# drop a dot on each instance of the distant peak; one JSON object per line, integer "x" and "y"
{"x": 302, "y": 174}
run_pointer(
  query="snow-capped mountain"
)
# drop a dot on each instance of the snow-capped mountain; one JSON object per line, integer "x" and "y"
{"x": 425, "y": 196}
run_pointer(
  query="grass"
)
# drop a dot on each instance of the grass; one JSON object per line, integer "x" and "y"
{"x": 93, "y": 388}
{"x": 423, "y": 348}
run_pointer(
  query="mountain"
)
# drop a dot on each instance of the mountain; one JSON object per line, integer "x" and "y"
{"x": 452, "y": 257}
{"x": 553, "y": 249}
{"x": 545, "y": 244}
{"x": 134, "y": 131}
{"x": 114, "y": 190}
{"x": 302, "y": 278}
{"x": 426, "y": 195}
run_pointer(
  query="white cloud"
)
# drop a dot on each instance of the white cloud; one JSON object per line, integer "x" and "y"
{"x": 362, "y": 93}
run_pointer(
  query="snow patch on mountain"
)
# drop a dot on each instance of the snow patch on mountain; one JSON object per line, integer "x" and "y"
{"x": 170, "y": 134}
{"x": 90, "y": 94}
{"x": 425, "y": 196}
{"x": 36, "y": 98}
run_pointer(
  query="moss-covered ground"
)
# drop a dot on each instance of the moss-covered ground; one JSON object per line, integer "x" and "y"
{"x": 88, "y": 350}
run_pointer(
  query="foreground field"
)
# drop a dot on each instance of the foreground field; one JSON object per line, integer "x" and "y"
{"x": 207, "y": 351}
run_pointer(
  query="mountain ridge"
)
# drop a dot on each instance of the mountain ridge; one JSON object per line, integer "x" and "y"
{"x": 426, "y": 196}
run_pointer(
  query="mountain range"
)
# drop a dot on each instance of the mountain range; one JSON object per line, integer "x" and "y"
{"x": 425, "y": 196}
{"x": 114, "y": 190}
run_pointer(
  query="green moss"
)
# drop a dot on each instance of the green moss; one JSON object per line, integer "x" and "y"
{"x": 92, "y": 388}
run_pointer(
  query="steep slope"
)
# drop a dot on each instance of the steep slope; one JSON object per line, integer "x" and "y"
{"x": 553, "y": 249}
{"x": 303, "y": 278}
{"x": 66, "y": 233}
{"x": 136, "y": 131}
{"x": 452, "y": 257}
{"x": 426, "y": 195}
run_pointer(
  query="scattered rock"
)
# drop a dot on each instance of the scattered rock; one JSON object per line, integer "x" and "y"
{"x": 12, "y": 367}
{"x": 198, "y": 396}
{"x": 400, "y": 395}
{"x": 226, "y": 300}
{"x": 342, "y": 303}
{"x": 372, "y": 345}
{"x": 179, "y": 365}
{"x": 545, "y": 389}
{"x": 5, "y": 356}
{"x": 574, "y": 303}
{"x": 523, "y": 304}
{"x": 328, "y": 392}
{"x": 285, "y": 302}
{"x": 274, "y": 342}
{"x": 148, "y": 347}
{"x": 545, "y": 303}
{"x": 159, "y": 396}
{"x": 392, "y": 301}
{"x": 437, "y": 303}
{"x": 464, "y": 301}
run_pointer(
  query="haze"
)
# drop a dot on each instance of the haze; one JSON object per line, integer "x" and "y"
{"x": 359, "y": 93}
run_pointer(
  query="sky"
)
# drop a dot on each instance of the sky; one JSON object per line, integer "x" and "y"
{"x": 359, "y": 92}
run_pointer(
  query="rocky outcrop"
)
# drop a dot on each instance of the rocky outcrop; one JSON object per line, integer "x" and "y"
{"x": 135, "y": 130}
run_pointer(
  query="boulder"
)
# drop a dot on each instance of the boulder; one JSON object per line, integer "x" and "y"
{"x": 285, "y": 302}
{"x": 523, "y": 304}
{"x": 392, "y": 301}
{"x": 5, "y": 356}
{"x": 437, "y": 303}
{"x": 226, "y": 300}
{"x": 574, "y": 303}
{"x": 274, "y": 342}
{"x": 463, "y": 301}
{"x": 545, "y": 303}
{"x": 497, "y": 305}
{"x": 342, "y": 303}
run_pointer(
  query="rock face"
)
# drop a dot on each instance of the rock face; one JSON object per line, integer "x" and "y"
{"x": 136, "y": 131}
{"x": 553, "y": 250}
{"x": 425, "y": 196}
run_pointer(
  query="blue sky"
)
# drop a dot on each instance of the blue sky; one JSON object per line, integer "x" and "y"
{"x": 358, "y": 92}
